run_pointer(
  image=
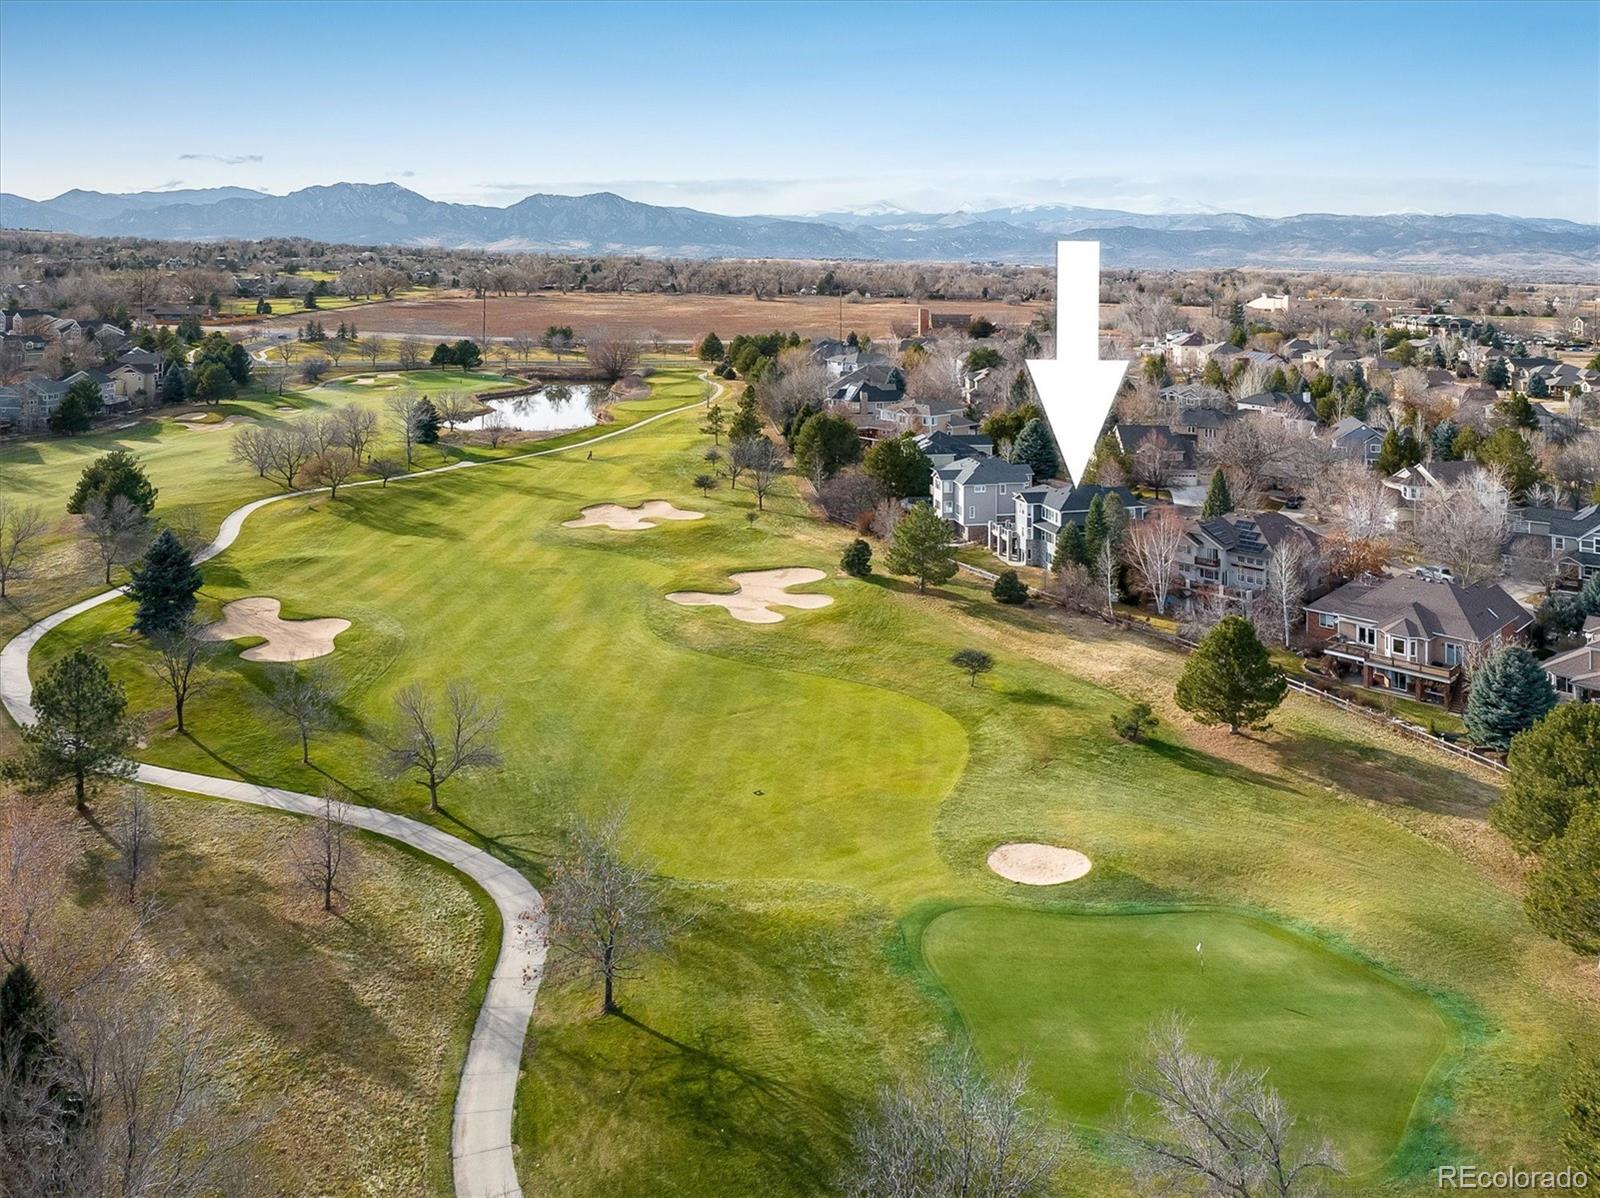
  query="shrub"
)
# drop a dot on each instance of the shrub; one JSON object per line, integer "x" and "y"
{"x": 1134, "y": 724}
{"x": 857, "y": 559}
{"x": 1008, "y": 588}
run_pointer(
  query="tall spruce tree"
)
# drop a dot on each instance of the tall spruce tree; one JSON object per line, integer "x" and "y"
{"x": 1219, "y": 501}
{"x": 1094, "y": 529}
{"x": 1510, "y": 694}
{"x": 1034, "y": 447}
{"x": 164, "y": 583}
{"x": 427, "y": 422}
{"x": 1070, "y": 549}
{"x": 1230, "y": 679}
{"x": 174, "y": 385}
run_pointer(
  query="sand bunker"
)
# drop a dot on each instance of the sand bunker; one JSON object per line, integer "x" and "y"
{"x": 630, "y": 519}
{"x": 759, "y": 591}
{"x": 203, "y": 425}
{"x": 365, "y": 380}
{"x": 1038, "y": 864}
{"x": 286, "y": 640}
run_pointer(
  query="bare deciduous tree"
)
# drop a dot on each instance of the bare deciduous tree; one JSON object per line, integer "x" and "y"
{"x": 523, "y": 344}
{"x": 951, "y": 1131}
{"x": 612, "y": 355}
{"x": 330, "y": 468}
{"x": 137, "y": 839}
{"x": 115, "y": 529}
{"x": 20, "y": 527}
{"x": 436, "y": 747}
{"x": 606, "y": 915}
{"x": 287, "y": 448}
{"x": 306, "y": 697}
{"x": 252, "y": 446}
{"x": 354, "y": 427}
{"x": 373, "y": 349}
{"x": 403, "y": 411}
{"x": 1107, "y": 566}
{"x": 1196, "y": 1124}
{"x": 454, "y": 410}
{"x": 1154, "y": 546}
{"x": 179, "y": 654}
{"x": 1290, "y": 565}
{"x": 495, "y": 429}
{"x": 386, "y": 468}
{"x": 1466, "y": 526}
{"x": 762, "y": 459}
{"x": 408, "y": 353}
{"x": 322, "y": 850}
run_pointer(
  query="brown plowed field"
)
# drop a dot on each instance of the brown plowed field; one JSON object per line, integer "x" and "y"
{"x": 675, "y": 317}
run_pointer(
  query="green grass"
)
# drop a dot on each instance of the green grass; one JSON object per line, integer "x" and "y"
{"x": 1337, "y": 1038}
{"x": 807, "y": 788}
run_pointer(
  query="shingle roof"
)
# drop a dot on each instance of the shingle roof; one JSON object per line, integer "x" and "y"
{"x": 982, "y": 471}
{"x": 1255, "y": 532}
{"x": 1447, "y": 609}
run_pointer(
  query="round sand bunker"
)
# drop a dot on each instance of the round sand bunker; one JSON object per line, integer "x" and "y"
{"x": 1038, "y": 864}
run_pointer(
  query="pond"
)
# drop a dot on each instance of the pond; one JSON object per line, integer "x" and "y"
{"x": 557, "y": 406}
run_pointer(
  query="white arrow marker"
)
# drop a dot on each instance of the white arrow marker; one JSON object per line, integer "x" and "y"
{"x": 1077, "y": 387}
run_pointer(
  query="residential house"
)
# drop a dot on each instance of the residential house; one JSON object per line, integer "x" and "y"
{"x": 970, "y": 492}
{"x": 1574, "y": 538}
{"x": 1294, "y": 349}
{"x": 174, "y": 313}
{"x": 1177, "y": 454}
{"x": 1205, "y": 425}
{"x": 868, "y": 386}
{"x": 11, "y": 402}
{"x": 1294, "y": 410}
{"x": 1027, "y": 534}
{"x": 943, "y": 448}
{"x": 1356, "y": 439}
{"x": 926, "y": 416}
{"x": 1229, "y": 555}
{"x": 1195, "y": 395}
{"x": 1576, "y": 673}
{"x": 1415, "y": 482}
{"x": 1268, "y": 303}
{"x": 1413, "y": 635}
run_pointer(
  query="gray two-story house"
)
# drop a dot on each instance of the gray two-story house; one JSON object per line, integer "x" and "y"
{"x": 1027, "y": 534}
{"x": 970, "y": 492}
{"x": 1230, "y": 555}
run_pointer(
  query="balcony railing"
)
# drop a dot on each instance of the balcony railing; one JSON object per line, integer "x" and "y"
{"x": 1389, "y": 661}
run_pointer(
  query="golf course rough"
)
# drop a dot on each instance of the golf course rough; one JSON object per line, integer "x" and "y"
{"x": 1348, "y": 1048}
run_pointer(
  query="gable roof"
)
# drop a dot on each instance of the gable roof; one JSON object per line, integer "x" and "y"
{"x": 968, "y": 472}
{"x": 1420, "y": 607}
{"x": 1254, "y": 532}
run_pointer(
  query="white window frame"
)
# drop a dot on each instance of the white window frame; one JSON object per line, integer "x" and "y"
{"x": 1327, "y": 620}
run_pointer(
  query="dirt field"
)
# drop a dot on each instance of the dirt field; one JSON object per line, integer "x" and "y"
{"x": 680, "y": 318}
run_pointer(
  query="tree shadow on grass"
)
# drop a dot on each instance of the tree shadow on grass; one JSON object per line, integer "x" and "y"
{"x": 1397, "y": 779}
{"x": 514, "y": 848}
{"x": 236, "y": 770}
{"x": 278, "y": 972}
{"x": 1196, "y": 762}
{"x": 709, "y": 1087}
{"x": 401, "y": 519}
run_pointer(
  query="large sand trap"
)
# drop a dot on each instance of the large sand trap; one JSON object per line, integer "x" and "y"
{"x": 759, "y": 591}
{"x": 630, "y": 519}
{"x": 286, "y": 640}
{"x": 1038, "y": 864}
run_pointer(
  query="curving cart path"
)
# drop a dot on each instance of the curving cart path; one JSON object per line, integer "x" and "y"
{"x": 480, "y": 1134}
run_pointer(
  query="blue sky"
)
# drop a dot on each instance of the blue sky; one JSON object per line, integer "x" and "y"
{"x": 740, "y": 108}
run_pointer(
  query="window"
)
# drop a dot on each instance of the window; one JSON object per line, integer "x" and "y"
{"x": 979, "y": 490}
{"x": 1326, "y": 620}
{"x": 1453, "y": 654}
{"x": 1399, "y": 646}
{"x": 1366, "y": 636}
{"x": 1002, "y": 488}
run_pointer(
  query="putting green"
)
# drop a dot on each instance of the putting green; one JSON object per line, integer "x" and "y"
{"x": 1076, "y": 994}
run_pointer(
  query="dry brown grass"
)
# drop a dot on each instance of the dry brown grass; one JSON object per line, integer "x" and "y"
{"x": 677, "y": 318}
{"x": 349, "y": 1027}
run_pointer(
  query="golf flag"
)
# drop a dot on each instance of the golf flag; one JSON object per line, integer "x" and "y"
{"x": 1199, "y": 947}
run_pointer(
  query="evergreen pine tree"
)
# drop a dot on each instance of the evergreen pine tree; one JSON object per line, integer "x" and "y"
{"x": 1510, "y": 693}
{"x": 1008, "y": 588}
{"x": 1034, "y": 447}
{"x": 1590, "y": 595}
{"x": 79, "y": 731}
{"x": 114, "y": 473}
{"x": 164, "y": 583}
{"x": 427, "y": 422}
{"x": 1229, "y": 678}
{"x": 1563, "y": 895}
{"x": 174, "y": 385}
{"x": 921, "y": 547}
{"x": 71, "y": 416}
{"x": 1094, "y": 529}
{"x": 857, "y": 559}
{"x": 710, "y": 348}
{"x": 1219, "y": 501}
{"x": 1070, "y": 550}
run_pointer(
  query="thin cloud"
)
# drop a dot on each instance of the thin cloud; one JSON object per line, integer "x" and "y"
{"x": 224, "y": 159}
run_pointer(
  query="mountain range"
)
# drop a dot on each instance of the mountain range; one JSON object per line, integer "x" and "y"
{"x": 388, "y": 214}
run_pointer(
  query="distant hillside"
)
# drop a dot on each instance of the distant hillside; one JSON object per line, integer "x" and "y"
{"x": 387, "y": 214}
